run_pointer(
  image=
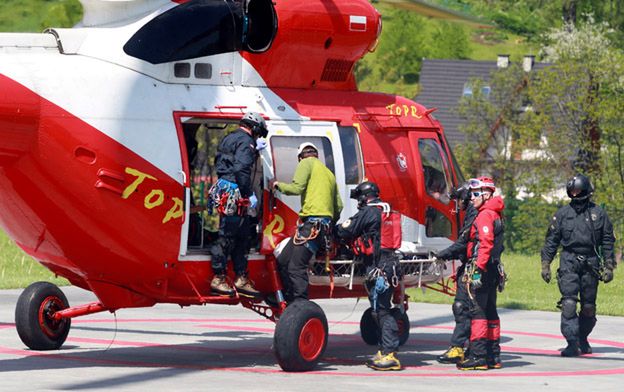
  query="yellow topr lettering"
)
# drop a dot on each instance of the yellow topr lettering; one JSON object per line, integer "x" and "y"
{"x": 175, "y": 212}
{"x": 276, "y": 226}
{"x": 149, "y": 199}
{"x": 135, "y": 184}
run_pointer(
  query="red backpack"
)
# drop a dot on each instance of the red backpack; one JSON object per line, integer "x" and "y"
{"x": 391, "y": 235}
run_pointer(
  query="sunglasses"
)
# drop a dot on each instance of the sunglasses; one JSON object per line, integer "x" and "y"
{"x": 477, "y": 194}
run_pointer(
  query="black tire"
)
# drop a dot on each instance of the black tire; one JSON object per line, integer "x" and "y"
{"x": 403, "y": 323}
{"x": 300, "y": 336}
{"x": 369, "y": 330}
{"x": 34, "y": 325}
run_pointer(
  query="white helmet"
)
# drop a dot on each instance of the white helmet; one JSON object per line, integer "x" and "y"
{"x": 257, "y": 124}
{"x": 304, "y": 146}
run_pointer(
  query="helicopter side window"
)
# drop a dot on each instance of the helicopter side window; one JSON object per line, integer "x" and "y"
{"x": 286, "y": 163}
{"x": 351, "y": 154}
{"x": 434, "y": 169}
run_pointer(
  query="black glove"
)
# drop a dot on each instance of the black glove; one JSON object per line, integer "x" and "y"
{"x": 546, "y": 271}
{"x": 444, "y": 254}
{"x": 607, "y": 275}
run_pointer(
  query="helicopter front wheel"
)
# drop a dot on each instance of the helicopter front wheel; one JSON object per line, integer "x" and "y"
{"x": 33, "y": 317}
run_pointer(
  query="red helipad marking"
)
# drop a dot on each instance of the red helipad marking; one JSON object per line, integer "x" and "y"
{"x": 238, "y": 325}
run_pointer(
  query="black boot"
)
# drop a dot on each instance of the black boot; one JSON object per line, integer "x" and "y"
{"x": 572, "y": 350}
{"x": 473, "y": 363}
{"x": 584, "y": 346}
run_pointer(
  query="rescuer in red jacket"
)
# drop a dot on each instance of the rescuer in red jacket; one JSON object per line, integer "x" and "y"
{"x": 484, "y": 277}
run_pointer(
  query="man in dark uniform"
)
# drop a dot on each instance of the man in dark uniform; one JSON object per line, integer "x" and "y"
{"x": 232, "y": 193}
{"x": 586, "y": 235}
{"x": 461, "y": 304}
{"x": 382, "y": 268}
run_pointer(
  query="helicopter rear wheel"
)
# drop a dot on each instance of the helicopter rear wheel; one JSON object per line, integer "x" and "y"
{"x": 33, "y": 317}
{"x": 300, "y": 336}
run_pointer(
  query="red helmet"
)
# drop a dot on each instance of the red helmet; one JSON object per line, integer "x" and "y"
{"x": 482, "y": 182}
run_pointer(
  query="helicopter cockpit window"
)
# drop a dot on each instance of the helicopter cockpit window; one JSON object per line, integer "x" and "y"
{"x": 436, "y": 224}
{"x": 351, "y": 153}
{"x": 286, "y": 163}
{"x": 203, "y": 28}
{"x": 437, "y": 179}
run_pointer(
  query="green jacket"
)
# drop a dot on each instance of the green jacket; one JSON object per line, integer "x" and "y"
{"x": 323, "y": 199}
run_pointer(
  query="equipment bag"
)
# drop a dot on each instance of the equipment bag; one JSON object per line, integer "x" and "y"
{"x": 391, "y": 235}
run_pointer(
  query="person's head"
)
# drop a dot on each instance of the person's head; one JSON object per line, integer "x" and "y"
{"x": 462, "y": 195}
{"x": 481, "y": 190}
{"x": 254, "y": 122}
{"x": 579, "y": 188}
{"x": 306, "y": 150}
{"x": 365, "y": 192}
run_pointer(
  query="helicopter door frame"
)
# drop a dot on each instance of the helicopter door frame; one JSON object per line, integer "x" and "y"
{"x": 434, "y": 188}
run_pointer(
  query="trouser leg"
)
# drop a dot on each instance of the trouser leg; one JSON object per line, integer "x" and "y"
{"x": 587, "y": 311}
{"x": 240, "y": 247}
{"x": 493, "y": 324}
{"x": 569, "y": 286}
{"x": 298, "y": 271}
{"x": 282, "y": 266}
{"x": 479, "y": 322}
{"x": 461, "y": 312}
{"x": 221, "y": 248}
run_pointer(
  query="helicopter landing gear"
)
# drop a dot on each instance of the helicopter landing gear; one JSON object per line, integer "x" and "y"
{"x": 33, "y": 317}
{"x": 369, "y": 330}
{"x": 300, "y": 336}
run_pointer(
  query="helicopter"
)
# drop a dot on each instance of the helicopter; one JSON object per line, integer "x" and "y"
{"x": 108, "y": 132}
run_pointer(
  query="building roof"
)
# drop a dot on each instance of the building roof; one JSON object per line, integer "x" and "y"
{"x": 442, "y": 86}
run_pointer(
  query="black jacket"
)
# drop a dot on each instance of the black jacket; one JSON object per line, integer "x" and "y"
{"x": 573, "y": 230}
{"x": 457, "y": 250}
{"x": 365, "y": 223}
{"x": 236, "y": 156}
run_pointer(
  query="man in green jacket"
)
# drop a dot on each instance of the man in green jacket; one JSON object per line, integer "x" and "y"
{"x": 320, "y": 206}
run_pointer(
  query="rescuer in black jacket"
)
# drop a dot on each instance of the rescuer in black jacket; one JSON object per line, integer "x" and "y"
{"x": 232, "y": 194}
{"x": 461, "y": 303}
{"x": 382, "y": 268}
{"x": 585, "y": 233}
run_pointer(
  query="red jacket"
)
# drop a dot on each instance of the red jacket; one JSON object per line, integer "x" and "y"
{"x": 486, "y": 234}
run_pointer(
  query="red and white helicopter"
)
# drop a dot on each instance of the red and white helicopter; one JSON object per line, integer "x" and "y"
{"x": 98, "y": 181}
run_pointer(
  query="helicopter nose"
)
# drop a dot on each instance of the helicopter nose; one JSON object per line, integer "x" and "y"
{"x": 19, "y": 120}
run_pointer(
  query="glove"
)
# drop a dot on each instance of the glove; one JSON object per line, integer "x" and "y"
{"x": 546, "y": 271}
{"x": 261, "y": 144}
{"x": 253, "y": 200}
{"x": 475, "y": 279}
{"x": 442, "y": 255}
{"x": 607, "y": 275}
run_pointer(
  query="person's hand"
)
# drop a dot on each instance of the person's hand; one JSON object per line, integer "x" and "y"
{"x": 261, "y": 144}
{"x": 546, "y": 271}
{"x": 475, "y": 280}
{"x": 442, "y": 254}
{"x": 253, "y": 200}
{"x": 272, "y": 184}
{"x": 607, "y": 275}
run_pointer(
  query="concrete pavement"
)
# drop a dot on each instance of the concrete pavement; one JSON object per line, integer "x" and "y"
{"x": 208, "y": 347}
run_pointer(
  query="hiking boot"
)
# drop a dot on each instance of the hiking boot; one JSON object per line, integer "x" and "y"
{"x": 585, "y": 347}
{"x": 572, "y": 350}
{"x": 221, "y": 286}
{"x": 494, "y": 362}
{"x": 385, "y": 362}
{"x": 376, "y": 357}
{"x": 473, "y": 363}
{"x": 454, "y": 354}
{"x": 245, "y": 287}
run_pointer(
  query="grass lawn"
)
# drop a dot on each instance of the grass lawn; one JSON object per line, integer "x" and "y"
{"x": 17, "y": 269}
{"x": 526, "y": 290}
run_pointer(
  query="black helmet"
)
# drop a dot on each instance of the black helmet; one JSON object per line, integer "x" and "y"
{"x": 462, "y": 194}
{"x": 256, "y": 123}
{"x": 363, "y": 191}
{"x": 579, "y": 187}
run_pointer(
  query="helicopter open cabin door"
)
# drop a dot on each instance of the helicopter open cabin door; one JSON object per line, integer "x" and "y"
{"x": 337, "y": 147}
{"x": 434, "y": 187}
